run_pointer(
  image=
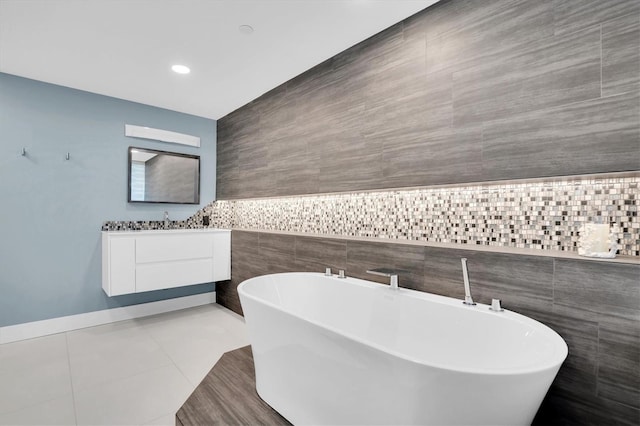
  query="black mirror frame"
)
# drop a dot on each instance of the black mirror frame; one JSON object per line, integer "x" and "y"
{"x": 155, "y": 151}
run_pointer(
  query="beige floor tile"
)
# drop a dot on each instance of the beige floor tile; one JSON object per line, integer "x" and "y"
{"x": 57, "y": 411}
{"x": 134, "y": 400}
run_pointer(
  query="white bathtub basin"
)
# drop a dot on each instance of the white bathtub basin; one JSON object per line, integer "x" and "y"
{"x": 348, "y": 351}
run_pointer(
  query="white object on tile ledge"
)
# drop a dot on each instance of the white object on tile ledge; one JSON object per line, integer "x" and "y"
{"x": 160, "y": 135}
{"x": 598, "y": 240}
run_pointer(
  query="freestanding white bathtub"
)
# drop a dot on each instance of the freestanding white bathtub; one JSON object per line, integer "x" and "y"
{"x": 348, "y": 351}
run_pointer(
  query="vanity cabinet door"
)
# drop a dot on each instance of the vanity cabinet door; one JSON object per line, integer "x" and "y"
{"x": 222, "y": 256}
{"x": 122, "y": 266}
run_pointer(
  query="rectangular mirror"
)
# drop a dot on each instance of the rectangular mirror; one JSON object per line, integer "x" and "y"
{"x": 163, "y": 177}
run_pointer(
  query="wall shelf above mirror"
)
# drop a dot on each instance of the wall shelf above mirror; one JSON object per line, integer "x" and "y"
{"x": 163, "y": 177}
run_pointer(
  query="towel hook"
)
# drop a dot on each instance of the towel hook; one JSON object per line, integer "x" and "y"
{"x": 23, "y": 152}
{"x": 67, "y": 157}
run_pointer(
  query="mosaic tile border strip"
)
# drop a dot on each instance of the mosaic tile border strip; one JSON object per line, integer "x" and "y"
{"x": 130, "y": 225}
{"x": 539, "y": 215}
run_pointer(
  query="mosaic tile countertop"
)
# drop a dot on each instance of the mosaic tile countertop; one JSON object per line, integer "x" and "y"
{"x": 539, "y": 215}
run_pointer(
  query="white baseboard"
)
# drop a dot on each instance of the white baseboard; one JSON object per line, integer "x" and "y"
{"x": 29, "y": 330}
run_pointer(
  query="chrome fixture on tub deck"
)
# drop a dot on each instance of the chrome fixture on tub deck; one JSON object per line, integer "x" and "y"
{"x": 388, "y": 272}
{"x": 496, "y": 305}
{"x": 468, "y": 300}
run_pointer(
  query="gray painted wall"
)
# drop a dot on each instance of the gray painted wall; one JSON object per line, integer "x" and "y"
{"x": 52, "y": 209}
{"x": 464, "y": 91}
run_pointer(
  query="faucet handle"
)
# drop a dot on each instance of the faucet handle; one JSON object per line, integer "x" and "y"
{"x": 327, "y": 272}
{"x": 341, "y": 274}
{"x": 496, "y": 305}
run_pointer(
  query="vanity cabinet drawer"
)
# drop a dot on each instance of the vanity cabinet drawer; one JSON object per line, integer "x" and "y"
{"x": 173, "y": 247}
{"x": 156, "y": 276}
{"x": 134, "y": 262}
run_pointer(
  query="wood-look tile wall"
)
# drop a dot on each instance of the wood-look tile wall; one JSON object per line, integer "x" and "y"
{"x": 464, "y": 91}
{"x": 593, "y": 305}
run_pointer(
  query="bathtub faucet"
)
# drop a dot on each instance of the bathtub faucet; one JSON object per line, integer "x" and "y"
{"x": 387, "y": 272}
{"x": 468, "y": 300}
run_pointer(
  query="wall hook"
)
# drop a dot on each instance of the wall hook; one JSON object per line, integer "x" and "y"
{"x": 24, "y": 151}
{"x": 67, "y": 157}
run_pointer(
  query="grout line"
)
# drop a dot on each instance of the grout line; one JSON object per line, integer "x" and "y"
{"x": 597, "y": 372}
{"x": 553, "y": 283}
{"x": 601, "y": 60}
{"x": 47, "y": 400}
{"x": 73, "y": 392}
{"x": 32, "y": 405}
{"x": 173, "y": 362}
{"x": 145, "y": 370}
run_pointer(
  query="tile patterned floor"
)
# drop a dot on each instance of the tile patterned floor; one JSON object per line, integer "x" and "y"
{"x": 136, "y": 372}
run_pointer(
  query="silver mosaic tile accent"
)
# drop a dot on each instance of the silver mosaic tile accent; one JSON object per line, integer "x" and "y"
{"x": 541, "y": 215}
{"x": 217, "y": 215}
{"x": 130, "y": 225}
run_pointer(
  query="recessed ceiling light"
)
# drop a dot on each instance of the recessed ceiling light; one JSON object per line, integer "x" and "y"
{"x": 181, "y": 69}
{"x": 245, "y": 29}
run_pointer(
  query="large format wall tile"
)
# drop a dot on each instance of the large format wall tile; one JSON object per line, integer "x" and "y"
{"x": 578, "y": 375}
{"x": 598, "y": 287}
{"x": 594, "y": 305}
{"x": 554, "y": 71}
{"x": 464, "y": 91}
{"x": 410, "y": 260}
{"x": 468, "y": 32}
{"x": 316, "y": 254}
{"x": 585, "y": 137}
{"x": 450, "y": 155}
{"x": 618, "y": 360}
{"x": 621, "y": 55}
{"x": 572, "y": 15}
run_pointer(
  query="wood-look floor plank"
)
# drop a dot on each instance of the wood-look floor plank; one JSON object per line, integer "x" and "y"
{"x": 227, "y": 396}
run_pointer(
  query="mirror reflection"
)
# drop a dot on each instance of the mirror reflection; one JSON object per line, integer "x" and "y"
{"x": 163, "y": 177}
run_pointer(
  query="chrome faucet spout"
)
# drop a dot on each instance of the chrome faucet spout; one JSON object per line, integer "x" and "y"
{"x": 468, "y": 300}
{"x": 387, "y": 272}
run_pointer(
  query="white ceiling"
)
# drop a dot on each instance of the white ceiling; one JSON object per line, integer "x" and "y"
{"x": 125, "y": 49}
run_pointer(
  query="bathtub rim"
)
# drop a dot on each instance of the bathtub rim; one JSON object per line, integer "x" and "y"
{"x": 560, "y": 351}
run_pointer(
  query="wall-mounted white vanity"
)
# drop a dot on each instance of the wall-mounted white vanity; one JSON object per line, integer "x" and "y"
{"x": 138, "y": 261}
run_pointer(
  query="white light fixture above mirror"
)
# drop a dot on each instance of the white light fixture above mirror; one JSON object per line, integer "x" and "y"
{"x": 160, "y": 135}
